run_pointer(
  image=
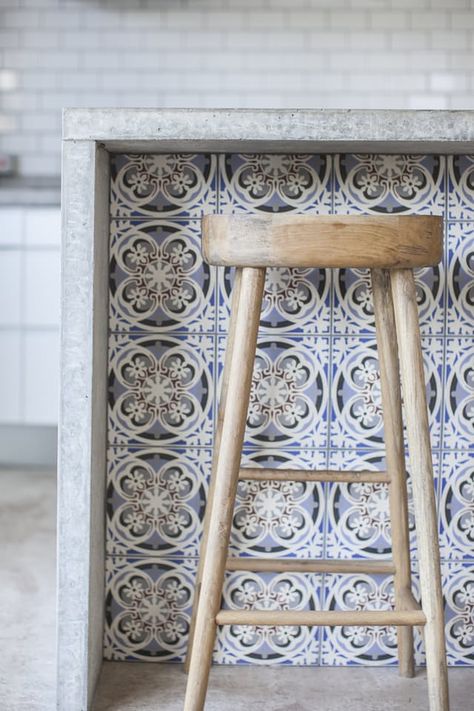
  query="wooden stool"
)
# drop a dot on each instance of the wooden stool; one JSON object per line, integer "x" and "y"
{"x": 390, "y": 246}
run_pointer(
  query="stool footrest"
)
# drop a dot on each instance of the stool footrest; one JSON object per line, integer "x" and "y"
{"x": 329, "y": 618}
{"x": 292, "y": 565}
{"x": 257, "y": 474}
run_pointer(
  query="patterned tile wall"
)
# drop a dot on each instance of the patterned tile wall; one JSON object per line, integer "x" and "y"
{"x": 315, "y": 402}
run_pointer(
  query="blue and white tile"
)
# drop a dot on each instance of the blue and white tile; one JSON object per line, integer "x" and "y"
{"x": 460, "y": 188}
{"x": 358, "y": 514}
{"x": 456, "y": 508}
{"x": 279, "y": 519}
{"x": 156, "y": 500}
{"x": 351, "y": 645}
{"x": 357, "y": 416}
{"x": 163, "y": 185}
{"x": 458, "y": 588}
{"x": 275, "y": 183}
{"x": 148, "y": 608}
{"x": 389, "y": 184}
{"x": 161, "y": 390}
{"x": 289, "y": 395}
{"x": 459, "y": 394}
{"x": 296, "y": 301}
{"x": 158, "y": 280}
{"x": 353, "y": 310}
{"x": 290, "y": 644}
{"x": 460, "y": 304}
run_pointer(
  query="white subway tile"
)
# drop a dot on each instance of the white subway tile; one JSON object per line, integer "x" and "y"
{"x": 43, "y": 227}
{"x": 41, "y": 377}
{"x": 10, "y": 377}
{"x": 42, "y": 288}
{"x": 11, "y": 225}
{"x": 10, "y": 287}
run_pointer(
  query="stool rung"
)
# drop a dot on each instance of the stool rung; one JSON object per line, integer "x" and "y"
{"x": 291, "y": 565}
{"x": 330, "y": 618}
{"x": 258, "y": 474}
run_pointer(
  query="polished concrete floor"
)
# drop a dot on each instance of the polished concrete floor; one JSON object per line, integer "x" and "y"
{"x": 27, "y": 640}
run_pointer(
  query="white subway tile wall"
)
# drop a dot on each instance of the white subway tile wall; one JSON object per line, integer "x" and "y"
{"x": 248, "y": 53}
{"x": 29, "y": 314}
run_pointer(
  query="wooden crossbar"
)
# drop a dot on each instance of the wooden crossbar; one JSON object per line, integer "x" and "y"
{"x": 321, "y": 618}
{"x": 255, "y": 474}
{"x": 291, "y": 565}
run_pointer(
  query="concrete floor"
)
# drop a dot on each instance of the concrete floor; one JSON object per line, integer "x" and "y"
{"x": 27, "y": 641}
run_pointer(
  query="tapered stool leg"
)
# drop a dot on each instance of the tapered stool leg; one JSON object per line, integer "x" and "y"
{"x": 225, "y": 483}
{"x": 416, "y": 414}
{"x": 395, "y": 457}
{"x": 217, "y": 442}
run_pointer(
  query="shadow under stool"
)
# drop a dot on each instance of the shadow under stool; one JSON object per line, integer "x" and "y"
{"x": 390, "y": 246}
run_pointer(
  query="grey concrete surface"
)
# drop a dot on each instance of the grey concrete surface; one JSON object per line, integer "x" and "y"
{"x": 284, "y": 130}
{"x": 158, "y": 687}
{"x": 27, "y": 590}
{"x": 27, "y": 641}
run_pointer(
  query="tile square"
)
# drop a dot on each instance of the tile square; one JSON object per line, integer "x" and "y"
{"x": 459, "y": 398}
{"x": 289, "y": 396}
{"x": 289, "y": 645}
{"x": 353, "y": 310}
{"x": 156, "y": 500}
{"x": 279, "y": 519}
{"x": 11, "y": 287}
{"x": 272, "y": 183}
{"x": 456, "y": 508}
{"x": 296, "y": 301}
{"x": 161, "y": 390}
{"x": 356, "y": 416}
{"x": 352, "y": 645}
{"x": 460, "y": 278}
{"x": 460, "y": 187}
{"x": 158, "y": 280}
{"x": 148, "y": 607}
{"x": 358, "y": 514}
{"x": 458, "y": 588}
{"x": 389, "y": 184}
{"x": 163, "y": 185}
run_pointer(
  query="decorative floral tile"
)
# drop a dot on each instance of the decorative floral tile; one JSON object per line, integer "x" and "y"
{"x": 269, "y": 644}
{"x": 161, "y": 390}
{"x": 353, "y": 311}
{"x": 460, "y": 308}
{"x": 295, "y": 300}
{"x": 459, "y": 388}
{"x": 458, "y": 587}
{"x": 460, "y": 187}
{"x": 358, "y": 514}
{"x": 279, "y": 519}
{"x": 156, "y": 500}
{"x": 378, "y": 183}
{"x": 357, "y": 417}
{"x": 158, "y": 280}
{"x": 154, "y": 185}
{"x": 456, "y": 508}
{"x": 148, "y": 609}
{"x": 353, "y": 644}
{"x": 275, "y": 183}
{"x": 289, "y": 396}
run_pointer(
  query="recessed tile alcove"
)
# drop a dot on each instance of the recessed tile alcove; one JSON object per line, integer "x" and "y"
{"x": 144, "y": 329}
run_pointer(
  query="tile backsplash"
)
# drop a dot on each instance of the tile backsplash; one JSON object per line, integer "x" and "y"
{"x": 315, "y": 403}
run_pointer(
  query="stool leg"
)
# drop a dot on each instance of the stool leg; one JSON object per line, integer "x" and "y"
{"x": 225, "y": 486}
{"x": 217, "y": 444}
{"x": 393, "y": 428}
{"x": 413, "y": 383}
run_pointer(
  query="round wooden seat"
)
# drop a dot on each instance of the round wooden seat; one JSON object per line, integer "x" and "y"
{"x": 385, "y": 241}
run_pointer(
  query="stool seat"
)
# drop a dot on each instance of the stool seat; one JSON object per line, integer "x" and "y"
{"x": 390, "y": 246}
{"x": 335, "y": 241}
